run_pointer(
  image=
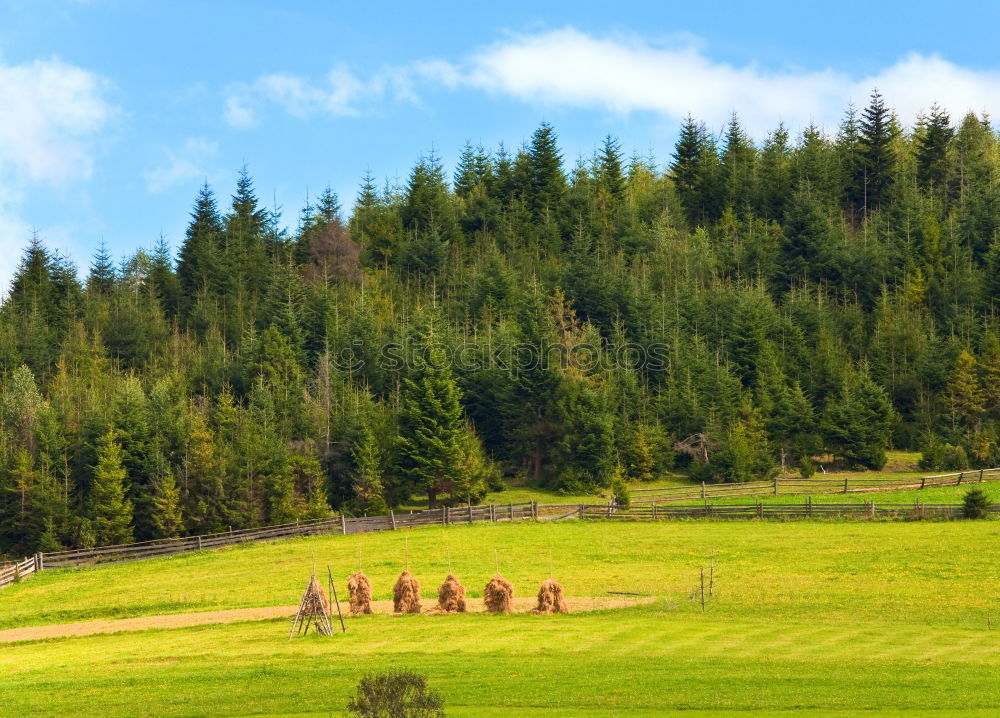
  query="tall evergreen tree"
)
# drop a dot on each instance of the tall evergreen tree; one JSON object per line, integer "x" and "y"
{"x": 429, "y": 448}
{"x": 547, "y": 180}
{"x": 877, "y": 131}
{"x": 110, "y": 510}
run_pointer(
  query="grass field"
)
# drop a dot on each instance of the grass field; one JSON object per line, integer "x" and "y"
{"x": 817, "y": 618}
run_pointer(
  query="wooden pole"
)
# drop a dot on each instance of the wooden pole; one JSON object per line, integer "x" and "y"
{"x": 711, "y": 577}
{"x": 333, "y": 590}
{"x": 703, "y": 589}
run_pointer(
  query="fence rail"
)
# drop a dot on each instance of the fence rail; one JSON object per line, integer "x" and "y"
{"x": 649, "y": 504}
{"x": 814, "y": 485}
{"x": 15, "y": 572}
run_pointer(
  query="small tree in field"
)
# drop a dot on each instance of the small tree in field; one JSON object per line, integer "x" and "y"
{"x": 397, "y": 694}
{"x": 975, "y": 504}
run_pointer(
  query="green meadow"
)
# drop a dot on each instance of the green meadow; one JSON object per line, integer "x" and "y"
{"x": 819, "y": 618}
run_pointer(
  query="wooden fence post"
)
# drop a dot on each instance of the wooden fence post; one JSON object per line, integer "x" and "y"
{"x": 981, "y": 476}
{"x": 199, "y": 543}
{"x": 534, "y": 510}
{"x": 343, "y": 525}
{"x": 703, "y": 490}
{"x": 960, "y": 475}
{"x": 845, "y": 484}
{"x": 923, "y": 480}
{"x": 775, "y": 485}
{"x": 654, "y": 511}
{"x": 470, "y": 511}
{"x": 872, "y": 510}
{"x": 582, "y": 510}
{"x": 392, "y": 518}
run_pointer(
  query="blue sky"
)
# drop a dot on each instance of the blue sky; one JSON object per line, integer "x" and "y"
{"x": 112, "y": 113}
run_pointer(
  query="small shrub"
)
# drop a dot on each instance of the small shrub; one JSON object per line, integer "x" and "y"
{"x": 975, "y": 504}
{"x": 396, "y": 694}
{"x": 620, "y": 489}
{"x": 806, "y": 467}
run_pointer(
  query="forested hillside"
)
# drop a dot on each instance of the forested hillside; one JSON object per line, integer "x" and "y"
{"x": 737, "y": 306}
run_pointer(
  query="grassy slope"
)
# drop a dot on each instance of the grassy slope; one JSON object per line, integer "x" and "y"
{"x": 825, "y": 617}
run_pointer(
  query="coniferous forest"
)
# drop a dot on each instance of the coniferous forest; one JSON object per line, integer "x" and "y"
{"x": 741, "y": 306}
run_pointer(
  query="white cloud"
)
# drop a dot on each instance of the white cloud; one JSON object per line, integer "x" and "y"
{"x": 51, "y": 116}
{"x": 337, "y": 95}
{"x": 189, "y": 163}
{"x": 628, "y": 74}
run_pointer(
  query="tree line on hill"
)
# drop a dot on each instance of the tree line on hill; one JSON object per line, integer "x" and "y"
{"x": 750, "y": 306}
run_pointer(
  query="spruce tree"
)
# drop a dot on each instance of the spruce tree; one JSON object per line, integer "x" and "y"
{"x": 858, "y": 423}
{"x": 429, "y": 445}
{"x": 166, "y": 515}
{"x": 739, "y": 158}
{"x": 200, "y": 262}
{"x": 547, "y": 180}
{"x": 877, "y": 132}
{"x": 933, "y": 136}
{"x": 367, "y": 484}
{"x": 963, "y": 393}
{"x": 110, "y": 510}
{"x": 686, "y": 167}
{"x": 101, "y": 279}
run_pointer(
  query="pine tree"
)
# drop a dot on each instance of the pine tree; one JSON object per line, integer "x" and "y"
{"x": 858, "y": 423}
{"x": 547, "y": 180}
{"x": 166, "y": 516}
{"x": 738, "y": 167}
{"x": 368, "y": 474}
{"x": 964, "y": 393}
{"x": 200, "y": 262}
{"x": 933, "y": 136}
{"x": 877, "y": 131}
{"x": 429, "y": 444}
{"x": 102, "y": 271}
{"x": 110, "y": 510}
{"x": 990, "y": 376}
{"x": 775, "y": 175}
{"x": 163, "y": 279}
{"x": 686, "y": 167}
{"x": 852, "y": 164}
{"x": 745, "y": 454}
{"x": 610, "y": 176}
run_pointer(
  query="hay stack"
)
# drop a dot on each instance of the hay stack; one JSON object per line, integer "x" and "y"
{"x": 314, "y": 608}
{"x": 359, "y": 589}
{"x": 499, "y": 595}
{"x": 550, "y": 598}
{"x": 451, "y": 595}
{"x": 315, "y": 602}
{"x": 406, "y": 594}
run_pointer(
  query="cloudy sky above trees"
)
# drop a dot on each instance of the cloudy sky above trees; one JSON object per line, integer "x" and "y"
{"x": 113, "y": 113}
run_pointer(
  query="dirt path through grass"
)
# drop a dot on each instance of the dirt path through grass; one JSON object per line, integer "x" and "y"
{"x": 183, "y": 620}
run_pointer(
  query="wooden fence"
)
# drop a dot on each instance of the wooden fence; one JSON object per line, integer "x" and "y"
{"x": 814, "y": 485}
{"x": 12, "y": 573}
{"x": 342, "y": 525}
{"x": 759, "y": 510}
{"x": 647, "y": 505}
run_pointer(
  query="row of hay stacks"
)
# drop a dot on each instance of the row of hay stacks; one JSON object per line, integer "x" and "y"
{"x": 498, "y": 595}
